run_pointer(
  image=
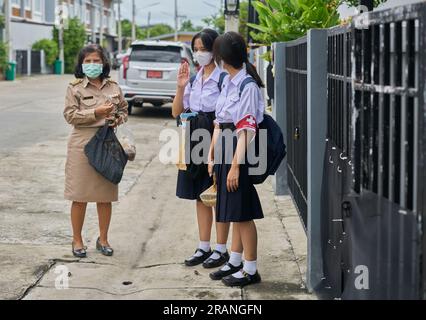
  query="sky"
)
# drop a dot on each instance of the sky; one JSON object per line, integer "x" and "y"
{"x": 163, "y": 11}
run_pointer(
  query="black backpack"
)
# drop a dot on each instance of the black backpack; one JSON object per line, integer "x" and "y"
{"x": 276, "y": 148}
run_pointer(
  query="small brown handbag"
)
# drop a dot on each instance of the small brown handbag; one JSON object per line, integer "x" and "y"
{"x": 209, "y": 196}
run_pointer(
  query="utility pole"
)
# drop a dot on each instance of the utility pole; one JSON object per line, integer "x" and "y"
{"x": 120, "y": 35}
{"x": 101, "y": 22}
{"x": 7, "y": 29}
{"x": 133, "y": 20}
{"x": 149, "y": 25}
{"x": 176, "y": 20}
{"x": 61, "y": 36}
{"x": 93, "y": 19}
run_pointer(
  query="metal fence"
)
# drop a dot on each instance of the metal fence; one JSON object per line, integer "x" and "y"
{"x": 29, "y": 62}
{"x": 386, "y": 196}
{"x": 296, "y": 101}
{"x": 373, "y": 198}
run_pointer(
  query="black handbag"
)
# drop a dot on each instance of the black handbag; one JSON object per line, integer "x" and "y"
{"x": 106, "y": 155}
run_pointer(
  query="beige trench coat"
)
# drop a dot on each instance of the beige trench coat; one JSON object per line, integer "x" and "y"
{"x": 82, "y": 182}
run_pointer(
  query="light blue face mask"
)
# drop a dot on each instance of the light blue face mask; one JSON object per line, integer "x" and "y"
{"x": 93, "y": 70}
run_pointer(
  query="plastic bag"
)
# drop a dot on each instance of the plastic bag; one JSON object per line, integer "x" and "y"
{"x": 105, "y": 154}
{"x": 127, "y": 141}
{"x": 183, "y": 121}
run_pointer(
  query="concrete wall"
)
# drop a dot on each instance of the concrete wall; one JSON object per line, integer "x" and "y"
{"x": 25, "y": 34}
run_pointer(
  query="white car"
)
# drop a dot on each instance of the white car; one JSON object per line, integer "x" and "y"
{"x": 149, "y": 71}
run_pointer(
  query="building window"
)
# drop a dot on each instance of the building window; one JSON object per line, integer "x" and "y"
{"x": 16, "y": 3}
{"x": 88, "y": 16}
{"x": 38, "y": 6}
{"x": 105, "y": 20}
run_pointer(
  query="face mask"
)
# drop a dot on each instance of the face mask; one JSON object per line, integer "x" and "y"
{"x": 93, "y": 70}
{"x": 203, "y": 58}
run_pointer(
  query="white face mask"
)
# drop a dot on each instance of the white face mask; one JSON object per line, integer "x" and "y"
{"x": 203, "y": 58}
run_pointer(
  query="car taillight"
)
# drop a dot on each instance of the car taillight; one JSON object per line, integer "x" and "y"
{"x": 126, "y": 61}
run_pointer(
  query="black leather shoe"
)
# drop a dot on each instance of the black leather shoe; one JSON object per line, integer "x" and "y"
{"x": 106, "y": 251}
{"x": 79, "y": 253}
{"x": 215, "y": 263}
{"x": 231, "y": 281}
{"x": 194, "y": 261}
{"x": 219, "y": 274}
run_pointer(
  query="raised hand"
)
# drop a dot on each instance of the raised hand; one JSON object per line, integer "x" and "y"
{"x": 183, "y": 75}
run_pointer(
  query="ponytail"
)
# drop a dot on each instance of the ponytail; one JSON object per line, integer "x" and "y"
{"x": 232, "y": 48}
{"x": 251, "y": 70}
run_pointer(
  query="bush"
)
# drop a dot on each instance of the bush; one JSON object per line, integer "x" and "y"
{"x": 74, "y": 40}
{"x": 3, "y": 57}
{"x": 50, "y": 49}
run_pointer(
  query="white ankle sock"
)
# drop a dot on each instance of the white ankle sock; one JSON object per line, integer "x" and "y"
{"x": 219, "y": 247}
{"x": 234, "y": 259}
{"x": 250, "y": 267}
{"x": 203, "y": 245}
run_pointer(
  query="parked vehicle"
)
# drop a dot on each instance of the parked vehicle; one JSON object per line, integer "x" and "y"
{"x": 117, "y": 59}
{"x": 149, "y": 71}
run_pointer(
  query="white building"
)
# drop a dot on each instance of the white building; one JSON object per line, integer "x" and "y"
{"x": 33, "y": 20}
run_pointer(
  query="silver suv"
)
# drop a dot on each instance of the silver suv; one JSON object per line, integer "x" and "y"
{"x": 149, "y": 71}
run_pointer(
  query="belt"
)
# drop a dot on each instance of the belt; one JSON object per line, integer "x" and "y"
{"x": 227, "y": 125}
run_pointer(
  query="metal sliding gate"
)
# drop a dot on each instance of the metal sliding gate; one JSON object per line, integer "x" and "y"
{"x": 337, "y": 162}
{"x": 373, "y": 195}
{"x": 296, "y": 101}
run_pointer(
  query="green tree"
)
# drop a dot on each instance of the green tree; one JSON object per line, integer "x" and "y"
{"x": 160, "y": 29}
{"x": 187, "y": 25}
{"x": 284, "y": 20}
{"x": 3, "y": 56}
{"x": 217, "y": 21}
{"x": 50, "y": 49}
{"x": 126, "y": 27}
{"x": 74, "y": 40}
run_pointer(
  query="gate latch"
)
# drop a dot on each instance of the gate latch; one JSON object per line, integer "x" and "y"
{"x": 296, "y": 133}
{"x": 347, "y": 208}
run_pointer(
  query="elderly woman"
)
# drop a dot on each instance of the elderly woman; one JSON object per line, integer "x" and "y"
{"x": 91, "y": 100}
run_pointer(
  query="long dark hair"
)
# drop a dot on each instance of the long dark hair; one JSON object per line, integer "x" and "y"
{"x": 207, "y": 36}
{"x": 232, "y": 49}
{"x": 88, "y": 50}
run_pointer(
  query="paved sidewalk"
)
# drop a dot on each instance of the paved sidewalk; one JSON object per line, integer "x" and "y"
{"x": 152, "y": 231}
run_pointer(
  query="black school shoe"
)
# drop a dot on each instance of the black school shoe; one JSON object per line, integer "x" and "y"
{"x": 231, "y": 281}
{"x": 215, "y": 263}
{"x": 194, "y": 261}
{"x": 220, "y": 274}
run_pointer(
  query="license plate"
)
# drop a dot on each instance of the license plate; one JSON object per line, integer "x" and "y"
{"x": 154, "y": 74}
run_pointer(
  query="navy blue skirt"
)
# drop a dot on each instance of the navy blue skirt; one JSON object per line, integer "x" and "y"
{"x": 190, "y": 186}
{"x": 241, "y": 205}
